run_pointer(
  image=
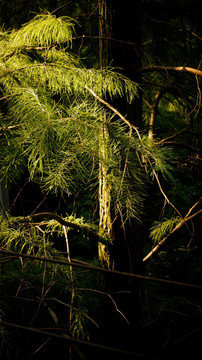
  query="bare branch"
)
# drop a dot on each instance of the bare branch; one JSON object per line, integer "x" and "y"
{"x": 66, "y": 337}
{"x": 179, "y": 28}
{"x": 62, "y": 6}
{"x": 111, "y": 298}
{"x": 82, "y": 264}
{"x": 171, "y": 136}
{"x": 182, "y": 144}
{"x": 171, "y": 68}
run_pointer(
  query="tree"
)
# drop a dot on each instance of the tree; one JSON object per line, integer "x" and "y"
{"x": 52, "y": 110}
{"x": 115, "y": 47}
{"x": 120, "y": 44}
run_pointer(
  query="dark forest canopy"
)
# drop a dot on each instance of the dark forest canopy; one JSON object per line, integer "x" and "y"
{"x": 100, "y": 155}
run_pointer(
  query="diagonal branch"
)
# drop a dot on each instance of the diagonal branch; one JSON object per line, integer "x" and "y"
{"x": 82, "y": 264}
{"x": 177, "y": 227}
{"x": 171, "y": 68}
{"x": 114, "y": 110}
{"x": 172, "y": 136}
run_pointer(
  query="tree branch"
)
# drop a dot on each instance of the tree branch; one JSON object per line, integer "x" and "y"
{"x": 181, "y": 144}
{"x": 70, "y": 224}
{"x": 177, "y": 227}
{"x": 171, "y": 68}
{"x": 172, "y": 136}
{"x": 81, "y": 264}
{"x": 114, "y": 110}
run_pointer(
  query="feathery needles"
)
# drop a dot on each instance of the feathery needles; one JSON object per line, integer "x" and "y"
{"x": 52, "y": 121}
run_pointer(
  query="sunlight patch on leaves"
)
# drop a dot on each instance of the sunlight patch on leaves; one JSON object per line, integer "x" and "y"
{"x": 45, "y": 30}
{"x": 162, "y": 228}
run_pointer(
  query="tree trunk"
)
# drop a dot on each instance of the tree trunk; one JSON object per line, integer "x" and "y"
{"x": 122, "y": 25}
{"x": 105, "y": 222}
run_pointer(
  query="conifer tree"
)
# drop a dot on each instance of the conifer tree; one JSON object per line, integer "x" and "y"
{"x": 54, "y": 139}
{"x": 57, "y": 125}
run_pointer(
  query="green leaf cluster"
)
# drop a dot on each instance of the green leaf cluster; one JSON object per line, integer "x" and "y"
{"x": 18, "y": 234}
{"x": 52, "y": 124}
{"x": 51, "y": 121}
{"x": 162, "y": 228}
{"x": 44, "y": 30}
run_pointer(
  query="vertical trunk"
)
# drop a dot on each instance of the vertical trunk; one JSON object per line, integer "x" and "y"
{"x": 154, "y": 110}
{"x": 105, "y": 222}
{"x": 121, "y": 23}
{"x": 105, "y": 17}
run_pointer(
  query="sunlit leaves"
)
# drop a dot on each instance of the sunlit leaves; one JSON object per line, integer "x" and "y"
{"x": 45, "y": 30}
{"x": 162, "y": 228}
{"x": 59, "y": 120}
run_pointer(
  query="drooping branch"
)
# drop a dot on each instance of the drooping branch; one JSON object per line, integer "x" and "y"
{"x": 171, "y": 68}
{"x": 70, "y": 224}
{"x": 187, "y": 218}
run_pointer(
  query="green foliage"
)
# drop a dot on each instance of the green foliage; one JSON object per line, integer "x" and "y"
{"x": 40, "y": 294}
{"x": 56, "y": 121}
{"x": 162, "y": 228}
{"x": 50, "y": 125}
{"x": 53, "y": 288}
{"x": 19, "y": 235}
{"x": 22, "y": 234}
{"x": 156, "y": 158}
{"x": 44, "y": 30}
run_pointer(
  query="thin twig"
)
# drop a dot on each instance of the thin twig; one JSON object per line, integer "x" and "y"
{"x": 114, "y": 110}
{"x": 76, "y": 341}
{"x": 111, "y": 298}
{"x": 40, "y": 347}
{"x": 62, "y": 6}
{"x": 68, "y": 305}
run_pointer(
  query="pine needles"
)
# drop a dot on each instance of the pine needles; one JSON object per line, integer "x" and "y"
{"x": 56, "y": 121}
{"x": 45, "y": 30}
{"x": 161, "y": 229}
